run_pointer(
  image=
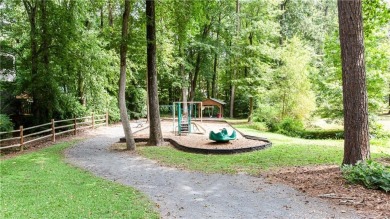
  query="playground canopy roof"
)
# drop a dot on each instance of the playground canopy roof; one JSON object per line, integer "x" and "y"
{"x": 214, "y": 102}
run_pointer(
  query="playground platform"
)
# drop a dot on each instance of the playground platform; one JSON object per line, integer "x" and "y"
{"x": 200, "y": 142}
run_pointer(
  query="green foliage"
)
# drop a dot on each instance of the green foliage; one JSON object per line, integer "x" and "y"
{"x": 6, "y": 124}
{"x": 328, "y": 83}
{"x": 136, "y": 102}
{"x": 321, "y": 134}
{"x": 267, "y": 114}
{"x": 70, "y": 107}
{"x": 260, "y": 126}
{"x": 290, "y": 126}
{"x": 371, "y": 174}
{"x": 286, "y": 57}
{"x": 41, "y": 185}
{"x": 113, "y": 109}
{"x": 376, "y": 129}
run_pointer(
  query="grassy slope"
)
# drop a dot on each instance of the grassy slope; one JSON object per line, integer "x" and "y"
{"x": 42, "y": 185}
{"x": 286, "y": 151}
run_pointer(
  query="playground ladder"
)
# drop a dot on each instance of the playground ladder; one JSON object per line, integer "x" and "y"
{"x": 184, "y": 127}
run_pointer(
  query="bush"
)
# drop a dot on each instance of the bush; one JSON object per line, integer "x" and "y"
{"x": 371, "y": 174}
{"x": 260, "y": 126}
{"x": 268, "y": 115}
{"x": 376, "y": 130}
{"x": 322, "y": 134}
{"x": 291, "y": 127}
{"x": 6, "y": 124}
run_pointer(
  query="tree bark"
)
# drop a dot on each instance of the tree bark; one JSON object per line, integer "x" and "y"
{"x": 199, "y": 55}
{"x": 282, "y": 18}
{"x": 184, "y": 88}
{"x": 250, "y": 116}
{"x": 155, "y": 134}
{"x": 214, "y": 80}
{"x": 356, "y": 144}
{"x": 195, "y": 77}
{"x": 130, "y": 143}
{"x": 232, "y": 94}
{"x": 31, "y": 9}
{"x": 81, "y": 89}
{"x": 101, "y": 18}
{"x": 46, "y": 86}
{"x": 110, "y": 17}
{"x": 233, "y": 86}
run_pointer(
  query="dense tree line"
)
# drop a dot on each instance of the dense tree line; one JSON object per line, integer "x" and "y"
{"x": 268, "y": 60}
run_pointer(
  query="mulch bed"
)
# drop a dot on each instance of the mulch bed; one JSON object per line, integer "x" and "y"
{"x": 326, "y": 182}
{"x": 201, "y": 142}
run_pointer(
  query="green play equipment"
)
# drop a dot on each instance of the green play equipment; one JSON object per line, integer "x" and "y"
{"x": 184, "y": 122}
{"x": 222, "y": 136}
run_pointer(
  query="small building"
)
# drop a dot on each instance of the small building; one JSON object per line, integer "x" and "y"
{"x": 211, "y": 103}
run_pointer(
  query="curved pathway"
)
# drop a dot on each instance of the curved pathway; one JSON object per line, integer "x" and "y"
{"x": 186, "y": 194}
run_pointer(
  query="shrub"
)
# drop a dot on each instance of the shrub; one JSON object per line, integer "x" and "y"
{"x": 260, "y": 126}
{"x": 371, "y": 174}
{"x": 268, "y": 115}
{"x": 6, "y": 124}
{"x": 291, "y": 127}
{"x": 376, "y": 130}
{"x": 322, "y": 134}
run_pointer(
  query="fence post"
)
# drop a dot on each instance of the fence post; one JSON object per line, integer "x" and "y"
{"x": 21, "y": 138}
{"x": 93, "y": 121}
{"x": 107, "y": 118}
{"x": 53, "y": 131}
{"x": 74, "y": 126}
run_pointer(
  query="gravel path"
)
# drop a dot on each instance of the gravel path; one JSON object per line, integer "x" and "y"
{"x": 185, "y": 194}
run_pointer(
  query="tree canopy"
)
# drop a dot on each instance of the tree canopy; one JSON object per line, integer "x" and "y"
{"x": 279, "y": 58}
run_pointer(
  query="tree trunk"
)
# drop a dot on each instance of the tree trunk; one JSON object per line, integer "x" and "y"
{"x": 47, "y": 110}
{"x": 214, "y": 80}
{"x": 31, "y": 10}
{"x": 282, "y": 18}
{"x": 110, "y": 17}
{"x": 155, "y": 134}
{"x": 101, "y": 18}
{"x": 250, "y": 116}
{"x": 184, "y": 88}
{"x": 130, "y": 143}
{"x": 250, "y": 109}
{"x": 233, "y": 86}
{"x": 356, "y": 143}
{"x": 232, "y": 94}
{"x": 81, "y": 89}
{"x": 195, "y": 78}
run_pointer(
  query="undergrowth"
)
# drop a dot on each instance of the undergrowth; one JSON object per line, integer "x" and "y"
{"x": 371, "y": 174}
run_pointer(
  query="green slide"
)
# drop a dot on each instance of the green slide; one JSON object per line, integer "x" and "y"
{"x": 222, "y": 136}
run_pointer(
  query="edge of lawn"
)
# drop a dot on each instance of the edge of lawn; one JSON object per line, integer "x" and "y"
{"x": 285, "y": 152}
{"x": 41, "y": 184}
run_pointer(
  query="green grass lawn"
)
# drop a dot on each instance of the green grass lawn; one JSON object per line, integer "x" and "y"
{"x": 285, "y": 152}
{"x": 41, "y": 185}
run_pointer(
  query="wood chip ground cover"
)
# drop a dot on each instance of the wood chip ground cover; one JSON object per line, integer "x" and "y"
{"x": 327, "y": 183}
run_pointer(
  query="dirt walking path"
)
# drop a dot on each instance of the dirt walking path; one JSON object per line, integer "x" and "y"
{"x": 186, "y": 194}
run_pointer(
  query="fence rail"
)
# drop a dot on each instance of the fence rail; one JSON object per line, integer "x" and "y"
{"x": 50, "y": 130}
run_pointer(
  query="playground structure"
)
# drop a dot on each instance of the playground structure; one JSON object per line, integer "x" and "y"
{"x": 193, "y": 110}
{"x": 185, "y": 125}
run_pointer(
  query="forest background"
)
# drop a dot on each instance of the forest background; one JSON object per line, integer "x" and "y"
{"x": 272, "y": 61}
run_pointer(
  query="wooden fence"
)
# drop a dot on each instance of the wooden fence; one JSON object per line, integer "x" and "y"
{"x": 50, "y": 130}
